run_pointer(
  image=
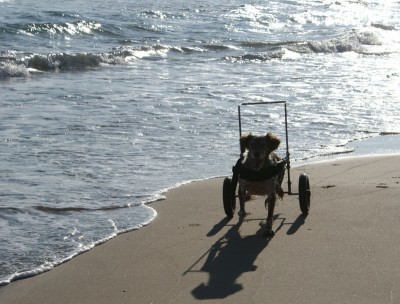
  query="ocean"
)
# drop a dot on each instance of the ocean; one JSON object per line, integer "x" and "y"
{"x": 106, "y": 105}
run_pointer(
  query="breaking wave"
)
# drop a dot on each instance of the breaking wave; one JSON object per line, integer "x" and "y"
{"x": 362, "y": 42}
{"x": 256, "y": 57}
{"x": 354, "y": 42}
{"x": 22, "y": 65}
{"x": 14, "y": 65}
{"x": 78, "y": 27}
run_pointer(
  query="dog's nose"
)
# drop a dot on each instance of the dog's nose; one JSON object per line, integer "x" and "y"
{"x": 257, "y": 154}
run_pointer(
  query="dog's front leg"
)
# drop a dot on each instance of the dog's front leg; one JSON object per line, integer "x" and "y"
{"x": 270, "y": 201}
{"x": 242, "y": 201}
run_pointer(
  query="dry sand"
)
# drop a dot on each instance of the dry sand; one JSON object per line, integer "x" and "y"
{"x": 345, "y": 251}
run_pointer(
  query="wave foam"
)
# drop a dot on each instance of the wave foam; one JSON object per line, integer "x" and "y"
{"x": 81, "y": 249}
{"x": 257, "y": 57}
{"x": 13, "y": 66}
{"x": 351, "y": 43}
{"x": 53, "y": 29}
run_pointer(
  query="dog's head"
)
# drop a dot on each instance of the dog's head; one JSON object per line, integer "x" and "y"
{"x": 259, "y": 147}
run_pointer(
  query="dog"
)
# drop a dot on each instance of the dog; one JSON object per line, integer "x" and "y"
{"x": 258, "y": 152}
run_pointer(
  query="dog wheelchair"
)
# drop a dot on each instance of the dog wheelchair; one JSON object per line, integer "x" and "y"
{"x": 230, "y": 183}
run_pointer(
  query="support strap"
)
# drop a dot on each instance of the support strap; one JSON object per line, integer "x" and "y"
{"x": 252, "y": 175}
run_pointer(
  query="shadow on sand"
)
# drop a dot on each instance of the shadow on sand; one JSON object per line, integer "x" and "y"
{"x": 228, "y": 258}
{"x": 231, "y": 256}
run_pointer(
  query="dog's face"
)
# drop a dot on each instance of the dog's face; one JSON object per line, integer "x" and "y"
{"x": 258, "y": 147}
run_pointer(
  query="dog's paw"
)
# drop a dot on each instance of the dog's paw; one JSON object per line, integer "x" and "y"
{"x": 242, "y": 213}
{"x": 280, "y": 193}
{"x": 248, "y": 197}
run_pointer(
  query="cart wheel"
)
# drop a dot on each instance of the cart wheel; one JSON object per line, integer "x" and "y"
{"x": 304, "y": 193}
{"x": 228, "y": 196}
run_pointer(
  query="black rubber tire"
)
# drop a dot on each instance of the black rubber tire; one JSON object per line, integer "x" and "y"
{"x": 228, "y": 197}
{"x": 304, "y": 193}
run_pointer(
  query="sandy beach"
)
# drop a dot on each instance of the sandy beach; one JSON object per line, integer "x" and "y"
{"x": 344, "y": 251}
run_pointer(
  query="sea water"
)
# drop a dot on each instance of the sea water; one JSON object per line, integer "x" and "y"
{"x": 106, "y": 104}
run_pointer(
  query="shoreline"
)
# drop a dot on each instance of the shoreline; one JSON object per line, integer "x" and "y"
{"x": 380, "y": 145}
{"x": 190, "y": 250}
{"x": 384, "y": 144}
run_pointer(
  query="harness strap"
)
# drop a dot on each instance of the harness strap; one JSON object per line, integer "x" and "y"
{"x": 252, "y": 175}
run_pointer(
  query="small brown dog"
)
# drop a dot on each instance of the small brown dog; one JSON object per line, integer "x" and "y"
{"x": 260, "y": 156}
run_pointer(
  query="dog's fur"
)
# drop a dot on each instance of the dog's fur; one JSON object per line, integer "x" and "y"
{"x": 258, "y": 154}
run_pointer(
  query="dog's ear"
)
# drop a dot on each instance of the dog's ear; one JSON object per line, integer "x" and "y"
{"x": 244, "y": 142}
{"x": 273, "y": 142}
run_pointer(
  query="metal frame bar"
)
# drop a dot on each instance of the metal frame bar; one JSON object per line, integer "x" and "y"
{"x": 286, "y": 132}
